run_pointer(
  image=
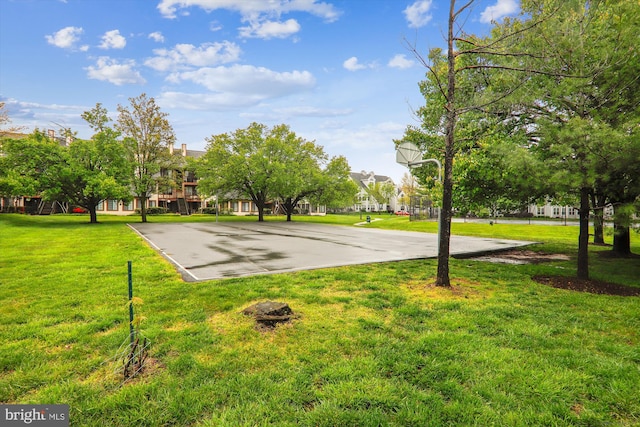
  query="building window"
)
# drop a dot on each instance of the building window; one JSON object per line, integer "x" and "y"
{"x": 128, "y": 206}
{"x": 100, "y": 206}
{"x": 112, "y": 205}
{"x": 556, "y": 211}
{"x": 245, "y": 207}
{"x": 541, "y": 210}
{"x": 234, "y": 206}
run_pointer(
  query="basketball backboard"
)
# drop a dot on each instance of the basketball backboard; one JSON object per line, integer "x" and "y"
{"x": 408, "y": 153}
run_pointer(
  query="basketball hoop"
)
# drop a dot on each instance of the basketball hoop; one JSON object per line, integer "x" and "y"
{"x": 407, "y": 153}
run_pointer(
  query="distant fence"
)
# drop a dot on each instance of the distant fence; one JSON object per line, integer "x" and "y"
{"x": 421, "y": 209}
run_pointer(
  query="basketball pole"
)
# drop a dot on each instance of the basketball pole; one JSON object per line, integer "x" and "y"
{"x": 409, "y": 155}
{"x": 437, "y": 162}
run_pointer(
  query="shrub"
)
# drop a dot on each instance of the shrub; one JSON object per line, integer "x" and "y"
{"x": 208, "y": 211}
{"x": 154, "y": 211}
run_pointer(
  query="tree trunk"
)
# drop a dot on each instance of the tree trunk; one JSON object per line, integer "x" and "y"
{"x": 143, "y": 208}
{"x": 288, "y": 208}
{"x": 598, "y": 227}
{"x": 442, "y": 278}
{"x": 93, "y": 215}
{"x": 598, "y": 219}
{"x": 621, "y": 234}
{"x": 583, "y": 239}
{"x": 621, "y": 240}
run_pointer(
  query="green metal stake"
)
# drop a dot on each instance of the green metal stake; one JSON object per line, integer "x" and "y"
{"x": 130, "y": 304}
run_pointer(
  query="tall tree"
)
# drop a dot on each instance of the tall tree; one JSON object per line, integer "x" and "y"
{"x": 93, "y": 171}
{"x": 267, "y": 164}
{"x": 409, "y": 187}
{"x": 29, "y": 166}
{"x": 335, "y": 188}
{"x": 147, "y": 136}
{"x": 296, "y": 166}
{"x": 465, "y": 80}
{"x": 590, "y": 50}
{"x": 239, "y": 164}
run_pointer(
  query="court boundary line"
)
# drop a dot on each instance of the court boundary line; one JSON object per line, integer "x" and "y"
{"x": 182, "y": 268}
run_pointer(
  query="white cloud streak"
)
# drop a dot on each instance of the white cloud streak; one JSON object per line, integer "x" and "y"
{"x": 353, "y": 64}
{"x": 157, "y": 37}
{"x": 499, "y": 10}
{"x": 113, "y": 40}
{"x": 250, "y": 9}
{"x": 401, "y": 61}
{"x": 237, "y": 86}
{"x": 248, "y": 79}
{"x": 261, "y": 16}
{"x": 65, "y": 38}
{"x": 187, "y": 55}
{"x": 418, "y": 14}
{"x": 270, "y": 29}
{"x": 117, "y": 73}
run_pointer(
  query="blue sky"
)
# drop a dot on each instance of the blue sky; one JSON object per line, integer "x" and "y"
{"x": 336, "y": 71}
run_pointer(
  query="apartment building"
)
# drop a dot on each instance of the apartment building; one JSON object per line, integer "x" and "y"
{"x": 367, "y": 203}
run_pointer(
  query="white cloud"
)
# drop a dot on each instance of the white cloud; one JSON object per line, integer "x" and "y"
{"x": 308, "y": 111}
{"x": 157, "y": 37}
{"x": 248, "y": 81}
{"x": 206, "y": 101}
{"x": 110, "y": 70}
{"x": 251, "y": 9}
{"x": 401, "y": 61}
{"x": 185, "y": 55}
{"x": 34, "y": 115}
{"x": 113, "y": 40}
{"x": 499, "y": 10}
{"x": 269, "y": 113}
{"x": 372, "y": 137}
{"x": 270, "y": 29}
{"x": 65, "y": 38}
{"x": 418, "y": 14}
{"x": 352, "y": 64}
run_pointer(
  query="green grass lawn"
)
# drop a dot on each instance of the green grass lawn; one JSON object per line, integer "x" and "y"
{"x": 373, "y": 344}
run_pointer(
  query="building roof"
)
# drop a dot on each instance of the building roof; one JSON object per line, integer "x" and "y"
{"x": 195, "y": 153}
{"x": 359, "y": 177}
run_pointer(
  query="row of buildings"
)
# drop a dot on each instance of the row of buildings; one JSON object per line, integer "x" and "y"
{"x": 186, "y": 200}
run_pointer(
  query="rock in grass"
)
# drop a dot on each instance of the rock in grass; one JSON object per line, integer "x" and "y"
{"x": 269, "y": 313}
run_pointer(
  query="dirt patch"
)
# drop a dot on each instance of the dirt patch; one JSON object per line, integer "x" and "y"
{"x": 522, "y": 257}
{"x": 269, "y": 314}
{"x": 590, "y": 285}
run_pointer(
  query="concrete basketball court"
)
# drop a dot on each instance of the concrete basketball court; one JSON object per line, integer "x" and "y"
{"x": 206, "y": 251}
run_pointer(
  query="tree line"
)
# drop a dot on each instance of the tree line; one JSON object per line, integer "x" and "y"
{"x": 126, "y": 160}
